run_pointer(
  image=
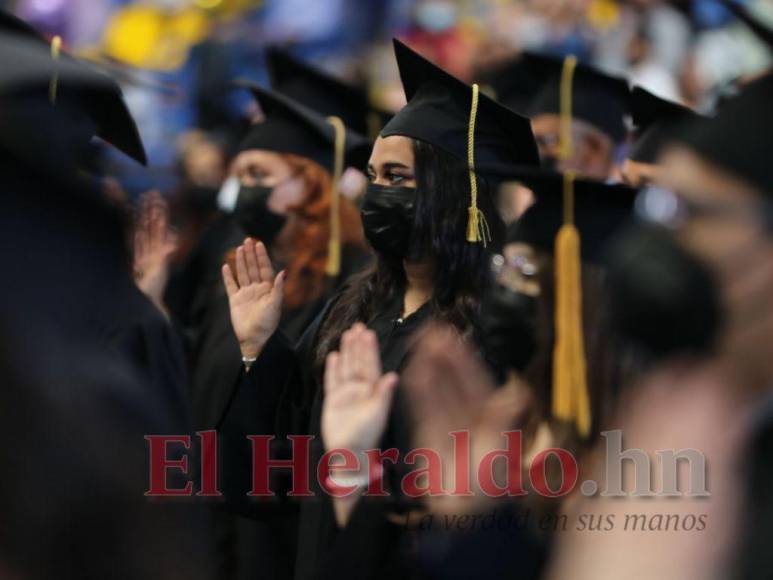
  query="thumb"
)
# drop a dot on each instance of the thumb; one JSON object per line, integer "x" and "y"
{"x": 277, "y": 292}
{"x": 385, "y": 388}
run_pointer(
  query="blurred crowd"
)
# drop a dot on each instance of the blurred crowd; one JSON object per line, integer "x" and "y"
{"x": 179, "y": 56}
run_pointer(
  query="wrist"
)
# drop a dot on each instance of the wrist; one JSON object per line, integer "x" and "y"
{"x": 251, "y": 349}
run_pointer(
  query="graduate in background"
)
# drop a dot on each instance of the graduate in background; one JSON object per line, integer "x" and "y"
{"x": 288, "y": 201}
{"x": 524, "y": 323}
{"x": 531, "y": 84}
{"x": 719, "y": 177}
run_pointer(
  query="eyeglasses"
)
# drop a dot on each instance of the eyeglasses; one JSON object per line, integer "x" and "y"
{"x": 667, "y": 208}
{"x": 514, "y": 272}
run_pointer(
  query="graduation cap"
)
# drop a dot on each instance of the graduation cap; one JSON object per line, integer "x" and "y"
{"x": 570, "y": 218}
{"x": 515, "y": 82}
{"x": 290, "y": 127}
{"x": 654, "y": 120}
{"x": 457, "y": 118}
{"x": 740, "y": 138}
{"x": 322, "y": 92}
{"x": 531, "y": 84}
{"x": 30, "y": 66}
{"x": 598, "y": 98}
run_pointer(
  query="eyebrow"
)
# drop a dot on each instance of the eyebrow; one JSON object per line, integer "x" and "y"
{"x": 390, "y": 165}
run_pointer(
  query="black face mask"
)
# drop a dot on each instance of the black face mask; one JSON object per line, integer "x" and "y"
{"x": 387, "y": 218}
{"x": 662, "y": 298}
{"x": 254, "y": 216}
{"x": 509, "y": 325}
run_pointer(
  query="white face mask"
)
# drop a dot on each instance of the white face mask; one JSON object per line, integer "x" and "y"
{"x": 229, "y": 193}
{"x": 436, "y": 15}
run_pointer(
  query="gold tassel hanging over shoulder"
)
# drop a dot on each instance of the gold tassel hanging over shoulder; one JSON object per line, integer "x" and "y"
{"x": 477, "y": 227}
{"x": 333, "y": 267}
{"x": 570, "y": 390}
{"x": 53, "y": 87}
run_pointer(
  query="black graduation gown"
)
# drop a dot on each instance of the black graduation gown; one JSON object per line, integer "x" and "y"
{"x": 755, "y": 558}
{"x": 142, "y": 334}
{"x": 75, "y": 408}
{"x": 280, "y": 395}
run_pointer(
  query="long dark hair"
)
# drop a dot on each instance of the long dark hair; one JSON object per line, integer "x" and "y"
{"x": 439, "y": 233}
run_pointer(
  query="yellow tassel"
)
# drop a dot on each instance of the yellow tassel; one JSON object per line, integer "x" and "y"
{"x": 567, "y": 78}
{"x": 477, "y": 226}
{"x": 56, "y": 49}
{"x": 333, "y": 266}
{"x": 570, "y": 389}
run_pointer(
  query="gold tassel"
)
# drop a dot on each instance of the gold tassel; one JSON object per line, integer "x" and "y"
{"x": 333, "y": 267}
{"x": 570, "y": 389}
{"x": 53, "y": 87}
{"x": 477, "y": 226}
{"x": 567, "y": 77}
{"x": 571, "y": 401}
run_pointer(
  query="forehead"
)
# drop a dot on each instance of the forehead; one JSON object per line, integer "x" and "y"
{"x": 258, "y": 157}
{"x": 393, "y": 149}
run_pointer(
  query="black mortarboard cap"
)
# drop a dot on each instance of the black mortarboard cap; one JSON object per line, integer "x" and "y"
{"x": 290, "y": 127}
{"x": 654, "y": 120}
{"x": 30, "y": 66}
{"x": 318, "y": 90}
{"x": 600, "y": 209}
{"x": 598, "y": 98}
{"x": 515, "y": 82}
{"x": 739, "y": 139}
{"x": 438, "y": 113}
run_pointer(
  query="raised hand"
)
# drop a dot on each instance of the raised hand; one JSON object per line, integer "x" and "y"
{"x": 255, "y": 297}
{"x": 357, "y": 395}
{"x": 450, "y": 390}
{"x": 154, "y": 244}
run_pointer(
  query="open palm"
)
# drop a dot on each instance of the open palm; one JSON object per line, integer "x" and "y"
{"x": 154, "y": 244}
{"x": 254, "y": 297}
{"x": 357, "y": 396}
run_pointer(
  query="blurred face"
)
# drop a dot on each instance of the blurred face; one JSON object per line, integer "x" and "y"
{"x": 636, "y": 174}
{"x": 519, "y": 270}
{"x": 723, "y": 223}
{"x": 391, "y": 162}
{"x": 269, "y": 169}
{"x": 513, "y": 199}
{"x": 205, "y": 165}
{"x": 592, "y": 150}
{"x": 722, "y": 216}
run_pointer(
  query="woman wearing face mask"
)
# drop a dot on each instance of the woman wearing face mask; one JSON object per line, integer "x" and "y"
{"x": 432, "y": 222}
{"x": 286, "y": 169}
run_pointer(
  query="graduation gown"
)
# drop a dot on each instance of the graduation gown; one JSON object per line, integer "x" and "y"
{"x": 76, "y": 408}
{"x": 281, "y": 395}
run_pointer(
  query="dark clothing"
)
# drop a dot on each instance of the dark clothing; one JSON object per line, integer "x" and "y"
{"x": 200, "y": 303}
{"x": 755, "y": 559}
{"x": 80, "y": 351}
{"x": 281, "y": 395}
